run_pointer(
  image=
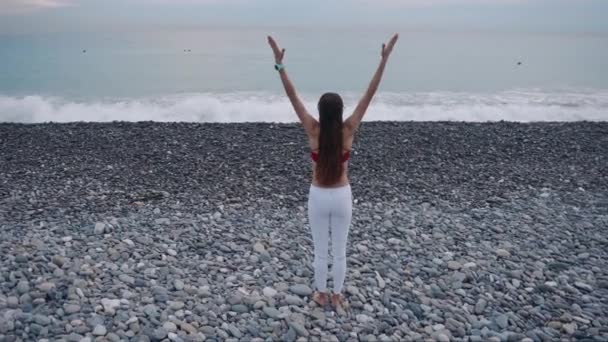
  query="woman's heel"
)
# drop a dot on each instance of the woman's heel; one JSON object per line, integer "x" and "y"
{"x": 338, "y": 302}
{"x": 321, "y": 298}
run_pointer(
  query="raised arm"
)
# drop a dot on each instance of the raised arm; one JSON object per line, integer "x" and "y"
{"x": 308, "y": 121}
{"x": 353, "y": 121}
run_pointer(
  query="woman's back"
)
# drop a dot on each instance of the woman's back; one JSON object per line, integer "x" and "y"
{"x": 347, "y": 143}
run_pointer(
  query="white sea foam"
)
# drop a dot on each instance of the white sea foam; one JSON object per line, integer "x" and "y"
{"x": 520, "y": 105}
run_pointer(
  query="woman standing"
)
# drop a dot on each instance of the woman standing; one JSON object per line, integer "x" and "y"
{"x": 330, "y": 199}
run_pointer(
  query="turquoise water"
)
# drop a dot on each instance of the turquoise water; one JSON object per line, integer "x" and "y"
{"x": 226, "y": 75}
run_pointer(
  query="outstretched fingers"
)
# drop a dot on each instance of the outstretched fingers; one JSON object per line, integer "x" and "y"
{"x": 273, "y": 43}
{"x": 393, "y": 40}
{"x": 387, "y": 49}
{"x": 278, "y": 53}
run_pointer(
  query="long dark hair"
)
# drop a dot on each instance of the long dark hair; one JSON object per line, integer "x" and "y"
{"x": 329, "y": 165}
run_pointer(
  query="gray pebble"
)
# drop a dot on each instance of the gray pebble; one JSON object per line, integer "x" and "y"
{"x": 99, "y": 330}
{"x": 300, "y": 290}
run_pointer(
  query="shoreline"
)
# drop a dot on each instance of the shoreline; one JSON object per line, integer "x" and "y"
{"x": 465, "y": 231}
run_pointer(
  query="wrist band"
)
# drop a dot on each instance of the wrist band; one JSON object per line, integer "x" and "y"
{"x": 279, "y": 67}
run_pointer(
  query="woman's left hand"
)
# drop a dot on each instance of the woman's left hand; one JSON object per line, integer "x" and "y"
{"x": 278, "y": 53}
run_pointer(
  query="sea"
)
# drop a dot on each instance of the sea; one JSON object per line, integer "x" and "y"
{"x": 219, "y": 74}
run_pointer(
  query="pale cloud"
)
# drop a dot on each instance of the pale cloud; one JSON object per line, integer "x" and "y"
{"x": 19, "y": 6}
{"x": 68, "y": 15}
{"x": 430, "y": 3}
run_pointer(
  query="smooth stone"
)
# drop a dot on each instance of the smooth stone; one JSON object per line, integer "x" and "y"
{"x": 46, "y": 286}
{"x": 293, "y": 300}
{"x": 258, "y": 247}
{"x": 99, "y": 330}
{"x": 457, "y": 328}
{"x": 42, "y": 320}
{"x": 299, "y": 328}
{"x": 71, "y": 308}
{"x": 160, "y": 333}
{"x": 437, "y": 292}
{"x": 21, "y": 259}
{"x": 187, "y": 327}
{"x": 290, "y": 335}
{"x": 380, "y": 280}
{"x": 480, "y": 306}
{"x": 269, "y": 292}
{"x": 36, "y": 329}
{"x": 301, "y": 290}
{"x": 454, "y": 265}
{"x": 569, "y": 328}
{"x": 583, "y": 255}
{"x": 459, "y": 277}
{"x": 176, "y": 305}
{"x": 363, "y": 318}
{"x": 125, "y": 278}
{"x": 394, "y": 241}
{"x": 502, "y": 321}
{"x": 352, "y": 290}
{"x": 23, "y": 286}
{"x": 112, "y": 337}
{"x": 441, "y": 337}
{"x": 272, "y": 312}
{"x": 503, "y": 253}
{"x": 583, "y": 286}
{"x": 178, "y": 284}
{"x": 150, "y": 310}
{"x": 162, "y": 220}
{"x": 234, "y": 331}
{"x": 12, "y": 302}
{"x": 110, "y": 305}
{"x": 99, "y": 228}
{"x": 174, "y": 337}
{"x": 240, "y": 308}
{"x": 170, "y": 326}
{"x": 58, "y": 260}
{"x": 555, "y": 325}
{"x": 318, "y": 314}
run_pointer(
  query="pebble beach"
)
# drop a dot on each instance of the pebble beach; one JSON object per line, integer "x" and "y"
{"x": 149, "y": 231}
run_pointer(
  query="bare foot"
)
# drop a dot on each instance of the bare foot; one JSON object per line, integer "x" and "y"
{"x": 320, "y": 298}
{"x": 338, "y": 302}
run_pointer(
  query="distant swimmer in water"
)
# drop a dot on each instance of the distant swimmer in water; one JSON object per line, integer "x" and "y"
{"x": 84, "y": 51}
{"x": 518, "y": 63}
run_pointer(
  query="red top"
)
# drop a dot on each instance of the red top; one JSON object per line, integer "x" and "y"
{"x": 315, "y": 156}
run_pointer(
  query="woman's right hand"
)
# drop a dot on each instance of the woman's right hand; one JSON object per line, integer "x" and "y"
{"x": 278, "y": 53}
{"x": 388, "y": 48}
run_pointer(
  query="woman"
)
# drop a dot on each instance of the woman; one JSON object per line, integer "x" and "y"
{"x": 330, "y": 200}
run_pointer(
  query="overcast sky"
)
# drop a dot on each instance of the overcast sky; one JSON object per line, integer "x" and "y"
{"x": 17, "y": 16}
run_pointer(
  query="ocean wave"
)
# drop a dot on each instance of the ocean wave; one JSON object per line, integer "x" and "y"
{"x": 516, "y": 105}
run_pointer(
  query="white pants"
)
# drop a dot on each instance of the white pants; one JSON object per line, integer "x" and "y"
{"x": 329, "y": 209}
